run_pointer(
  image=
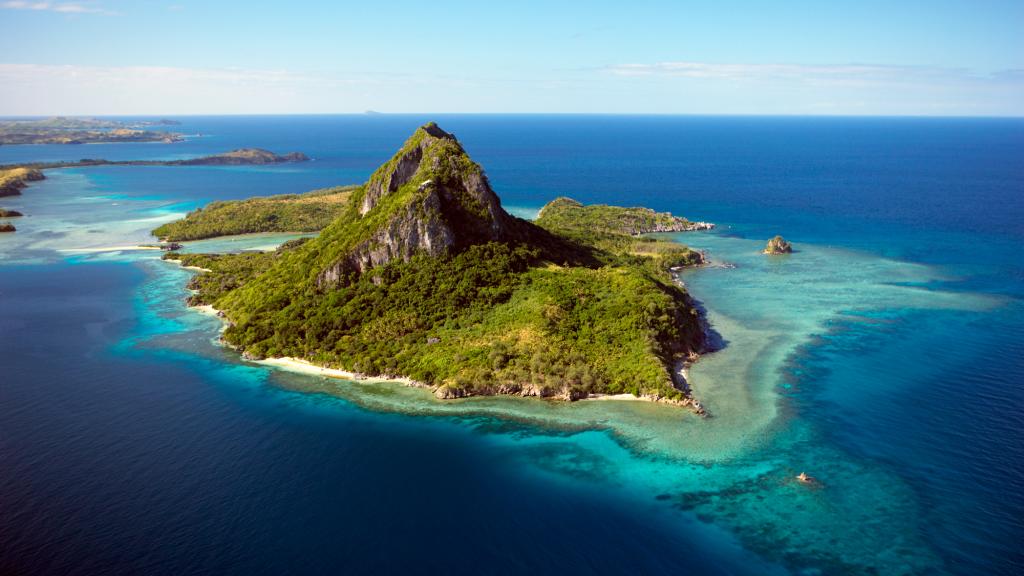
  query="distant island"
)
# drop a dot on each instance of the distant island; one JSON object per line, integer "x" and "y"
{"x": 62, "y": 130}
{"x": 425, "y": 277}
{"x": 309, "y": 212}
{"x": 9, "y": 213}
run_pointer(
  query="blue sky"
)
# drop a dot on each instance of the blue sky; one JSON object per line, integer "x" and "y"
{"x": 715, "y": 57}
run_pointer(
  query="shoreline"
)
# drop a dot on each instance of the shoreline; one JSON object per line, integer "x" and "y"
{"x": 290, "y": 364}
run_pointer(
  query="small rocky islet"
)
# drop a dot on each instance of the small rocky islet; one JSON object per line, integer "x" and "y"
{"x": 777, "y": 246}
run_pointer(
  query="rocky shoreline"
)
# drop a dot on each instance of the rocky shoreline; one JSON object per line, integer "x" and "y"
{"x": 14, "y": 179}
{"x": 681, "y": 226}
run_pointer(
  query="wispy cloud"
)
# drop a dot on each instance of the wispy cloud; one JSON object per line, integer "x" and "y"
{"x": 59, "y": 7}
{"x": 827, "y": 74}
{"x": 39, "y": 88}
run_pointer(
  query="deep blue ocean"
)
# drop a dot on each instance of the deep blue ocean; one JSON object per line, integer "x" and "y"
{"x": 885, "y": 357}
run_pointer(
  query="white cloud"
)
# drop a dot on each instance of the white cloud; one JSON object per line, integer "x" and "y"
{"x": 60, "y": 7}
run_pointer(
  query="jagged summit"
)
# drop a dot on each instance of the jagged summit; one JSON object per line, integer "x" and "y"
{"x": 429, "y": 197}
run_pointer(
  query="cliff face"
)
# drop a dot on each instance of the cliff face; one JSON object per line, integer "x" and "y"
{"x": 13, "y": 180}
{"x": 430, "y": 197}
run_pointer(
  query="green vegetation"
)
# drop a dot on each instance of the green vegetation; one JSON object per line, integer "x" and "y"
{"x": 778, "y": 245}
{"x": 612, "y": 230}
{"x": 309, "y": 212}
{"x": 569, "y": 215}
{"x": 60, "y": 130}
{"x": 439, "y": 284}
{"x": 232, "y": 270}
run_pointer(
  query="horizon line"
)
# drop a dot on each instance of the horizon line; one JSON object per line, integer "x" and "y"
{"x": 636, "y": 114}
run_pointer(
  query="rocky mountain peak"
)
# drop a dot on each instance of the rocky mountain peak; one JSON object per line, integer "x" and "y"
{"x": 429, "y": 197}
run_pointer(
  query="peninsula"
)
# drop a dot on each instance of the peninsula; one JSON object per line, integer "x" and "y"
{"x": 569, "y": 214}
{"x": 309, "y": 212}
{"x": 425, "y": 276}
{"x": 13, "y": 180}
{"x": 239, "y": 157}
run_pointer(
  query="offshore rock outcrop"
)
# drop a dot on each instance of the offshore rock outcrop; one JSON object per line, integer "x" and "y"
{"x": 778, "y": 245}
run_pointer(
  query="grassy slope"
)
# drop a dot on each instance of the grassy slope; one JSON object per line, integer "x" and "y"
{"x": 307, "y": 212}
{"x": 611, "y": 229}
{"x": 13, "y": 180}
{"x": 494, "y": 317}
{"x": 568, "y": 214}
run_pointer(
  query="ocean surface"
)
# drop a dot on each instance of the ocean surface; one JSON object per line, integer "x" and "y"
{"x": 885, "y": 357}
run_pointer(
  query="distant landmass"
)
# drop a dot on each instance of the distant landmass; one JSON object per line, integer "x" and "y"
{"x": 424, "y": 276}
{"x": 62, "y": 130}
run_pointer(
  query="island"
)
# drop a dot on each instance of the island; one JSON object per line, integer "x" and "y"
{"x": 9, "y": 213}
{"x": 308, "y": 212}
{"x": 7, "y": 227}
{"x": 425, "y": 278}
{"x": 778, "y": 245}
{"x": 62, "y": 130}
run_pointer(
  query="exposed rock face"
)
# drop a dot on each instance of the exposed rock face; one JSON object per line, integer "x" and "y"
{"x": 14, "y": 179}
{"x": 9, "y": 213}
{"x": 444, "y": 201}
{"x": 7, "y": 228}
{"x": 778, "y": 245}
